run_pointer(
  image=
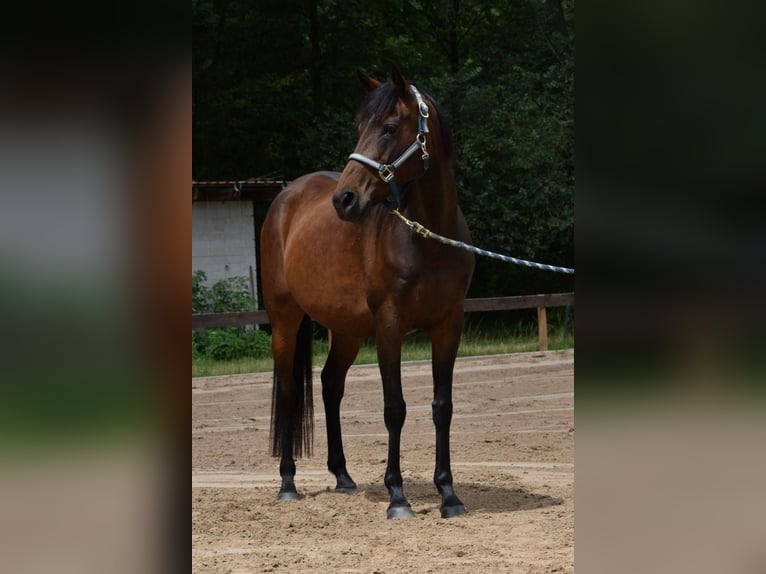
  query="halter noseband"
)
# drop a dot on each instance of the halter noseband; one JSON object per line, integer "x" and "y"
{"x": 386, "y": 170}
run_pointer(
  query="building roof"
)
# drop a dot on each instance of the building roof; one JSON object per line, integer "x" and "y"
{"x": 237, "y": 190}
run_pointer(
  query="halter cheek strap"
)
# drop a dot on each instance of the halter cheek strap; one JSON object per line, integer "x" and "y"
{"x": 386, "y": 170}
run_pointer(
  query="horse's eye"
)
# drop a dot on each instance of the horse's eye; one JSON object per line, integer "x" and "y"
{"x": 388, "y": 129}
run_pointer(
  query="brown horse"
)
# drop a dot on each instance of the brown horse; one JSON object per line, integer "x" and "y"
{"x": 332, "y": 251}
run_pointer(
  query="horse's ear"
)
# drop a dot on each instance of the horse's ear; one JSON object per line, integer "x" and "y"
{"x": 402, "y": 86}
{"x": 369, "y": 83}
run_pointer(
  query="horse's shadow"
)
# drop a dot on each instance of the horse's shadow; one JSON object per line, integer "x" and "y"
{"x": 481, "y": 498}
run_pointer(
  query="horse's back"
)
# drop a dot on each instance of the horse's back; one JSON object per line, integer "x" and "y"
{"x": 305, "y": 189}
{"x": 296, "y": 197}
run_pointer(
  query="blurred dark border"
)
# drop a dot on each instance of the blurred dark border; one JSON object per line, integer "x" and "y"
{"x": 670, "y": 176}
{"x": 670, "y": 254}
{"x": 119, "y": 74}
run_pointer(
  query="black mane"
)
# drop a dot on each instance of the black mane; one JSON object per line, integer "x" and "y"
{"x": 381, "y": 102}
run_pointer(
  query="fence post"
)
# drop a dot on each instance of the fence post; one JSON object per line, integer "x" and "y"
{"x": 542, "y": 328}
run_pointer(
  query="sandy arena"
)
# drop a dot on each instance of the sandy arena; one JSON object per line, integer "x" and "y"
{"x": 513, "y": 465}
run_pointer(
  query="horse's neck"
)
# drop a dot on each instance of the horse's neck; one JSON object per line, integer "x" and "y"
{"x": 433, "y": 202}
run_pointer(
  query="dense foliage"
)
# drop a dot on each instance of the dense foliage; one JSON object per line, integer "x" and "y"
{"x": 225, "y": 296}
{"x": 275, "y": 92}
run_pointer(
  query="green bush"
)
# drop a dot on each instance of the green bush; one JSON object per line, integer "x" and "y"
{"x": 224, "y": 344}
{"x": 225, "y": 296}
{"x": 235, "y": 342}
{"x": 201, "y": 295}
{"x": 195, "y": 349}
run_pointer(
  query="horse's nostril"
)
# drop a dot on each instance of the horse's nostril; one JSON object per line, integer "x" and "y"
{"x": 347, "y": 200}
{"x": 346, "y": 204}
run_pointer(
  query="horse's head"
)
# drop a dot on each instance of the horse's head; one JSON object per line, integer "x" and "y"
{"x": 392, "y": 150}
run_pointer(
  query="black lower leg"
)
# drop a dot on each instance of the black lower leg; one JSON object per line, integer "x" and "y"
{"x": 451, "y": 504}
{"x": 332, "y": 393}
{"x": 336, "y": 460}
{"x": 445, "y": 339}
{"x": 287, "y": 466}
{"x": 394, "y": 415}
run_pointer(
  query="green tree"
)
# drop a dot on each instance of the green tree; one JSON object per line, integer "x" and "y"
{"x": 275, "y": 93}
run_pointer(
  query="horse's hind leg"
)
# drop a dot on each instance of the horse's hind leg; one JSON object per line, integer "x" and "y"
{"x": 285, "y": 327}
{"x": 343, "y": 351}
{"x": 445, "y": 340}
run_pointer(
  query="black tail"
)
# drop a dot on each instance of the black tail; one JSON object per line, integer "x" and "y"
{"x": 303, "y": 400}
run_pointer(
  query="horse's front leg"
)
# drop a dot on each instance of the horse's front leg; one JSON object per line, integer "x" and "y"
{"x": 388, "y": 339}
{"x": 343, "y": 351}
{"x": 445, "y": 340}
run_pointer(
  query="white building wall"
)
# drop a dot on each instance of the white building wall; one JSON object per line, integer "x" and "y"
{"x": 223, "y": 239}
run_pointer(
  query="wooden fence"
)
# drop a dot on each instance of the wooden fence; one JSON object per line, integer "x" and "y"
{"x": 540, "y": 302}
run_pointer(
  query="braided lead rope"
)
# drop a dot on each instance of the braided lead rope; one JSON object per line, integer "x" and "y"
{"x": 424, "y": 232}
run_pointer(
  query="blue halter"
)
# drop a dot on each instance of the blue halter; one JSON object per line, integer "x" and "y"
{"x": 386, "y": 170}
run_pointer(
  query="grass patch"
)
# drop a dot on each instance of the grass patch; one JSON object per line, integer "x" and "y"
{"x": 415, "y": 347}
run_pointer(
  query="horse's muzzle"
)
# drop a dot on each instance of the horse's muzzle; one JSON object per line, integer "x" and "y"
{"x": 347, "y": 206}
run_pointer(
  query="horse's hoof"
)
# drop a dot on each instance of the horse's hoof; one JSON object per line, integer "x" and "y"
{"x": 345, "y": 485}
{"x": 345, "y": 490}
{"x": 450, "y": 511}
{"x": 288, "y": 495}
{"x": 399, "y": 512}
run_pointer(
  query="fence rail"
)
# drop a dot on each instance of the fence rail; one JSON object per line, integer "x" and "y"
{"x": 540, "y": 302}
{"x": 519, "y": 302}
{"x": 208, "y": 320}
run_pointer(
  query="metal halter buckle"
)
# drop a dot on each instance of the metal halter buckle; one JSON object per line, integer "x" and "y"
{"x": 385, "y": 173}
